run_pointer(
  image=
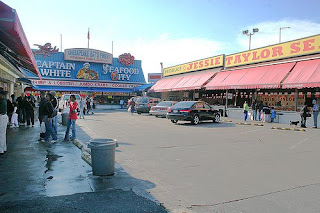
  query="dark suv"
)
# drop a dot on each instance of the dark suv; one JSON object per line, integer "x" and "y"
{"x": 194, "y": 111}
{"x": 143, "y": 104}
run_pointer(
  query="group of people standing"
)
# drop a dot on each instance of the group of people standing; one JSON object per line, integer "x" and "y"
{"x": 48, "y": 115}
{"x": 260, "y": 111}
{"x": 263, "y": 112}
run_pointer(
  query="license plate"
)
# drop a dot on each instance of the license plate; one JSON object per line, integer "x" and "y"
{"x": 175, "y": 111}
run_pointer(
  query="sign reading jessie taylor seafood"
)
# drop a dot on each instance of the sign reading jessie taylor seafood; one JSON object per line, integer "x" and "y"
{"x": 216, "y": 61}
{"x": 87, "y": 55}
{"x": 59, "y": 70}
{"x": 299, "y": 47}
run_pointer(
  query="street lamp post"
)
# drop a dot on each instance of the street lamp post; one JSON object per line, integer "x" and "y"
{"x": 246, "y": 32}
{"x": 281, "y": 28}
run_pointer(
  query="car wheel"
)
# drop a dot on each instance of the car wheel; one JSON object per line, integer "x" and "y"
{"x": 139, "y": 113}
{"x": 195, "y": 119}
{"x": 174, "y": 121}
{"x": 216, "y": 118}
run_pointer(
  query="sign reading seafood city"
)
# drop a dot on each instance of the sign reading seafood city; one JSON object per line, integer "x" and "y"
{"x": 87, "y": 55}
{"x": 289, "y": 49}
{"x": 216, "y": 61}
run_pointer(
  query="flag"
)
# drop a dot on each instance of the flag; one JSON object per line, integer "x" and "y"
{"x": 88, "y": 36}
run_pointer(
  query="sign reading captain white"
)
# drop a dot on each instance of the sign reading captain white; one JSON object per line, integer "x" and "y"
{"x": 55, "y": 68}
{"x": 87, "y": 55}
{"x": 82, "y": 84}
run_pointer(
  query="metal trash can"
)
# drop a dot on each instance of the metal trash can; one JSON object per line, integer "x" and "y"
{"x": 64, "y": 118}
{"x": 102, "y": 156}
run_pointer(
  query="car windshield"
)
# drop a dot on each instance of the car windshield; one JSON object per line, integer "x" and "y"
{"x": 164, "y": 103}
{"x": 142, "y": 100}
{"x": 184, "y": 104}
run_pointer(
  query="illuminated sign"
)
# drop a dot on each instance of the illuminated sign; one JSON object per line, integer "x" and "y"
{"x": 299, "y": 47}
{"x": 216, "y": 61}
{"x": 87, "y": 55}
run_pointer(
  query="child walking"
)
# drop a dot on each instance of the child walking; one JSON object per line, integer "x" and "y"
{"x": 14, "y": 118}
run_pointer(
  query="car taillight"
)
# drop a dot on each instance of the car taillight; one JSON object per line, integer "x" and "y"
{"x": 185, "y": 110}
{"x": 169, "y": 109}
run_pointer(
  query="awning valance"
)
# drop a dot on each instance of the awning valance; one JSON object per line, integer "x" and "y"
{"x": 81, "y": 89}
{"x": 263, "y": 77}
{"x": 305, "y": 74}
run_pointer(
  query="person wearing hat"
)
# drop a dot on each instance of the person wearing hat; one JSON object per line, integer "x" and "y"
{"x": 3, "y": 121}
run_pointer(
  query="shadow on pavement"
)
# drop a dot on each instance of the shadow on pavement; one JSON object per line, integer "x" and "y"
{"x": 51, "y": 177}
{"x": 206, "y": 124}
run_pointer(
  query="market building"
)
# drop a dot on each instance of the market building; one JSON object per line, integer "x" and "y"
{"x": 87, "y": 72}
{"x": 15, "y": 53}
{"x": 284, "y": 75}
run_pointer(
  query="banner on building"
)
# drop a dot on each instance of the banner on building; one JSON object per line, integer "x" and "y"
{"x": 304, "y": 46}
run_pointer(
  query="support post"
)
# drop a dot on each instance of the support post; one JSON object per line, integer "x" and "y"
{"x": 235, "y": 99}
{"x": 226, "y": 107}
{"x": 295, "y": 99}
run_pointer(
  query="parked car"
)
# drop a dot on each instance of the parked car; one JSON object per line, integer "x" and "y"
{"x": 144, "y": 104}
{"x": 64, "y": 101}
{"x": 194, "y": 111}
{"x": 160, "y": 110}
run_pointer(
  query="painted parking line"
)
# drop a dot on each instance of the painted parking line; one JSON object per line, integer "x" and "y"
{"x": 250, "y": 124}
{"x": 226, "y": 120}
{"x": 292, "y": 129}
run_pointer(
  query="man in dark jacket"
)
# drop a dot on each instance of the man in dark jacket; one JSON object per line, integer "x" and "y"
{"x": 30, "y": 111}
{"x": 22, "y": 109}
{"x": 48, "y": 114}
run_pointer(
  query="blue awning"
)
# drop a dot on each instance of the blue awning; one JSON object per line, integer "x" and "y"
{"x": 80, "y": 89}
{"x": 142, "y": 87}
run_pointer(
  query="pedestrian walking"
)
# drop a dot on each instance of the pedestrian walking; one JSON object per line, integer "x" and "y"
{"x": 3, "y": 121}
{"x": 88, "y": 104}
{"x": 14, "y": 117}
{"x": 273, "y": 114}
{"x": 121, "y": 103}
{"x": 55, "y": 104}
{"x": 72, "y": 118}
{"x": 30, "y": 111}
{"x": 49, "y": 113}
{"x": 91, "y": 105}
{"x": 132, "y": 105}
{"x": 22, "y": 109}
{"x": 260, "y": 110}
{"x": 10, "y": 109}
{"x": 81, "y": 103}
{"x": 42, "y": 108}
{"x": 266, "y": 113}
{"x": 315, "y": 112}
{"x": 304, "y": 114}
{"x": 245, "y": 111}
{"x": 254, "y": 107}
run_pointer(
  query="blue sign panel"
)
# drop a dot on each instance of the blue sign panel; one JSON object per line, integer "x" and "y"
{"x": 56, "y": 68}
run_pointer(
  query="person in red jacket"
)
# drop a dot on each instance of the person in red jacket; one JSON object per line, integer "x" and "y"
{"x": 72, "y": 118}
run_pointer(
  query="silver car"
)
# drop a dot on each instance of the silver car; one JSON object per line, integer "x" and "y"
{"x": 160, "y": 110}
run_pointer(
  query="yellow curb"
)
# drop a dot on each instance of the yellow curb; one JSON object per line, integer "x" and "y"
{"x": 250, "y": 124}
{"x": 86, "y": 157}
{"x": 293, "y": 129}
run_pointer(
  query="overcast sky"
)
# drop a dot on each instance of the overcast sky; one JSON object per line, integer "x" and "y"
{"x": 168, "y": 31}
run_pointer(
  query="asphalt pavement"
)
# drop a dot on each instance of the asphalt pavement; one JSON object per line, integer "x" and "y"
{"x": 216, "y": 167}
{"x": 51, "y": 177}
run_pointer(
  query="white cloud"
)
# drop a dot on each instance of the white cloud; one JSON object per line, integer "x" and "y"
{"x": 269, "y": 32}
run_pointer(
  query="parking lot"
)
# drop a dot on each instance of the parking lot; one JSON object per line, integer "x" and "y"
{"x": 215, "y": 167}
